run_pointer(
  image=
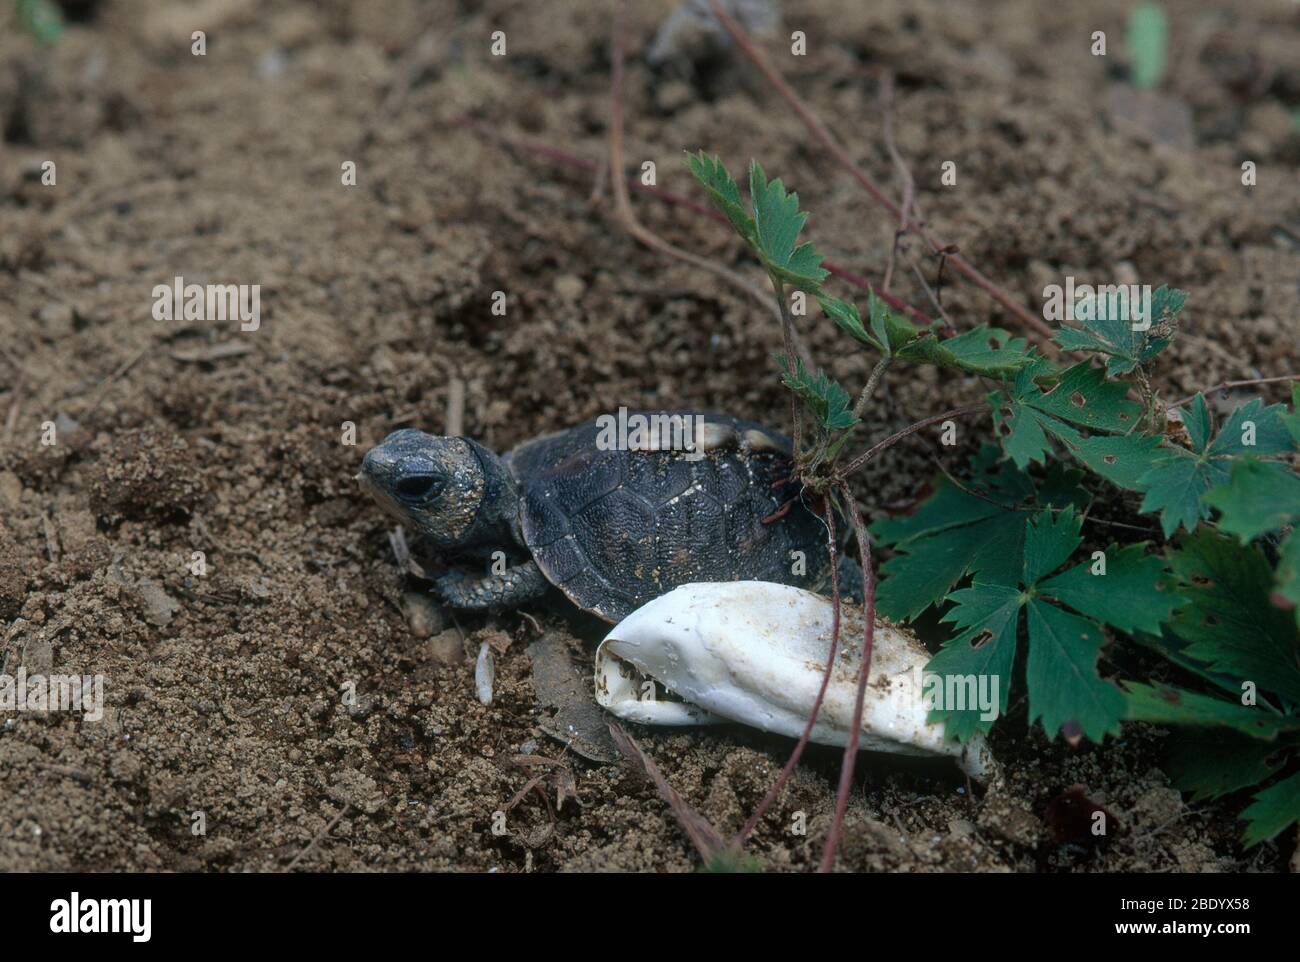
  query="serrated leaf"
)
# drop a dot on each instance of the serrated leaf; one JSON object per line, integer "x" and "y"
{"x": 847, "y": 319}
{"x": 1122, "y": 459}
{"x": 1210, "y": 765}
{"x": 955, "y": 533}
{"x": 1177, "y": 483}
{"x": 1260, "y": 496}
{"x": 1049, "y": 542}
{"x": 1113, "y": 336}
{"x": 1083, "y": 396}
{"x": 1273, "y": 810}
{"x": 1162, "y": 704}
{"x": 985, "y": 648}
{"x": 1229, "y": 622}
{"x": 1134, "y": 594}
{"x": 986, "y": 351}
{"x": 1061, "y": 674}
{"x": 1270, "y": 433}
{"x": 777, "y": 223}
{"x": 823, "y": 396}
{"x": 723, "y": 191}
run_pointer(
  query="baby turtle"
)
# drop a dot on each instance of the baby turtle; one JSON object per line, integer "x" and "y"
{"x": 612, "y": 528}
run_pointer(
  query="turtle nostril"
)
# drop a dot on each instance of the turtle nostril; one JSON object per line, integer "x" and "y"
{"x": 419, "y": 486}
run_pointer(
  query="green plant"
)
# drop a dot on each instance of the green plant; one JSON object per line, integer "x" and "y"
{"x": 993, "y": 551}
{"x": 40, "y": 18}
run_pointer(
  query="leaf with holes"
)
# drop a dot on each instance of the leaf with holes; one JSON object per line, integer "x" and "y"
{"x": 1065, "y": 690}
{"x": 977, "y": 528}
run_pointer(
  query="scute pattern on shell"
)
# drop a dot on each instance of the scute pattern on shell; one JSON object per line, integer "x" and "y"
{"x": 614, "y": 529}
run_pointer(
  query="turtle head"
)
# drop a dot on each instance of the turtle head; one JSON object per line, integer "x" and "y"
{"x": 452, "y": 491}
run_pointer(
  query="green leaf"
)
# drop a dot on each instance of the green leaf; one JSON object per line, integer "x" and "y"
{"x": 1273, "y": 810}
{"x": 777, "y": 222}
{"x": 1119, "y": 458}
{"x": 1198, "y": 423}
{"x": 1288, "y": 574}
{"x": 1025, "y": 416}
{"x": 986, "y": 351}
{"x": 1176, "y": 486}
{"x": 1292, "y": 420}
{"x": 978, "y": 532}
{"x": 1049, "y": 542}
{"x": 1254, "y": 429}
{"x": 1111, "y": 334}
{"x": 1260, "y": 496}
{"x": 1162, "y": 704}
{"x": 847, "y": 319}
{"x": 1230, "y": 623}
{"x": 42, "y": 19}
{"x": 829, "y": 402}
{"x": 1134, "y": 593}
{"x": 1211, "y": 765}
{"x": 1061, "y": 674}
{"x": 1083, "y": 396}
{"x": 1148, "y": 38}
{"x": 985, "y": 647}
{"x": 722, "y": 189}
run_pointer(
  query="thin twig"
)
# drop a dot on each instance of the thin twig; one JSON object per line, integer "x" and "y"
{"x": 893, "y": 439}
{"x": 566, "y": 159}
{"x": 868, "y": 639}
{"x": 795, "y": 755}
{"x": 841, "y": 156}
{"x": 909, "y": 185}
{"x": 1229, "y": 384}
{"x": 626, "y": 216}
{"x": 323, "y": 832}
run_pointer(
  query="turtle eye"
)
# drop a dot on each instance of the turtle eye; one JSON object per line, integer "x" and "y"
{"x": 420, "y": 487}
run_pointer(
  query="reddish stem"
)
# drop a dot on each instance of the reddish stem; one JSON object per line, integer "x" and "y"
{"x": 827, "y": 140}
{"x": 795, "y": 755}
{"x": 566, "y": 159}
{"x": 868, "y": 639}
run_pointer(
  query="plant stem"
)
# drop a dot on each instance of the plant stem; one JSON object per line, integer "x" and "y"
{"x": 868, "y": 638}
{"x": 841, "y": 156}
{"x": 772, "y": 793}
{"x": 893, "y": 439}
{"x": 1227, "y": 384}
{"x": 787, "y": 336}
{"x": 869, "y": 389}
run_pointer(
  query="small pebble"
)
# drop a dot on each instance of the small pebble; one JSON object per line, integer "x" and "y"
{"x": 485, "y": 673}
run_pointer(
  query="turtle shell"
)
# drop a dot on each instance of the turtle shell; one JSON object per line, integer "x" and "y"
{"x": 614, "y": 529}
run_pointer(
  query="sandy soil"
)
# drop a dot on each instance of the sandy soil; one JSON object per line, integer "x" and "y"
{"x": 226, "y": 690}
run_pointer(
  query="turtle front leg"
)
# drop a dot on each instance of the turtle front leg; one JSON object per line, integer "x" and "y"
{"x": 518, "y": 584}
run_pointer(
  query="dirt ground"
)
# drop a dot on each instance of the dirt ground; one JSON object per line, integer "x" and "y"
{"x": 226, "y": 690}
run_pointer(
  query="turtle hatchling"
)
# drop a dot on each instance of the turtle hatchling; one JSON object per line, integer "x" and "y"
{"x": 612, "y": 526}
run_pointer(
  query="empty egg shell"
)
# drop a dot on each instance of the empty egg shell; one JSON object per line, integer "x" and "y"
{"x": 754, "y": 652}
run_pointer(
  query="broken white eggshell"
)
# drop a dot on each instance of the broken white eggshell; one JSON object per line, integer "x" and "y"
{"x": 754, "y": 652}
